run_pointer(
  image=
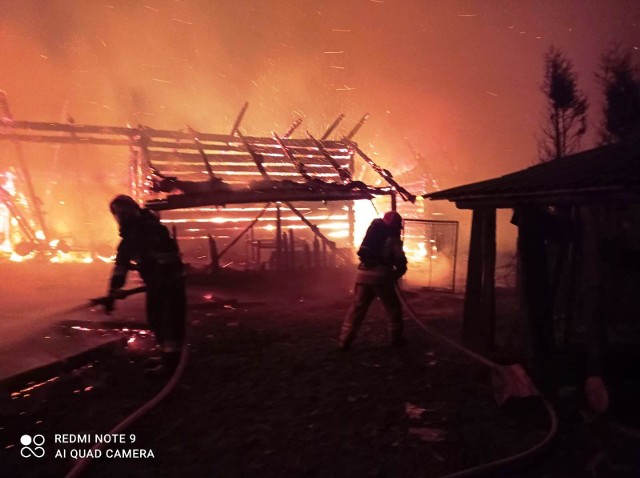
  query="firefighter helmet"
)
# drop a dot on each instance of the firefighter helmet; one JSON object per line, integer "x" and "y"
{"x": 123, "y": 202}
{"x": 392, "y": 219}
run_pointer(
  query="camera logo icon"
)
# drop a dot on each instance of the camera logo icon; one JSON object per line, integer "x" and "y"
{"x": 36, "y": 450}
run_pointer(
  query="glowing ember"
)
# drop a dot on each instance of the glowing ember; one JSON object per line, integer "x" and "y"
{"x": 33, "y": 387}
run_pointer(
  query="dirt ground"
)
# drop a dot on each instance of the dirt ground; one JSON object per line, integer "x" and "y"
{"x": 266, "y": 393}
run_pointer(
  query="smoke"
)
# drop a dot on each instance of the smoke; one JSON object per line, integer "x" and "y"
{"x": 456, "y": 79}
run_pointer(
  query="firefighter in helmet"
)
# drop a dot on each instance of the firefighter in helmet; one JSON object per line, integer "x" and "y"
{"x": 147, "y": 247}
{"x": 382, "y": 263}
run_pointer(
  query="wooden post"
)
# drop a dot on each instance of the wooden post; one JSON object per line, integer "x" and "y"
{"x": 479, "y": 305}
{"x": 308, "y": 262}
{"x": 252, "y": 238}
{"x": 213, "y": 255}
{"x": 292, "y": 250}
{"x": 324, "y": 254}
{"x": 536, "y": 290}
{"x": 259, "y": 254}
{"x": 278, "y": 237}
{"x": 316, "y": 253}
{"x": 285, "y": 251}
{"x": 595, "y": 330}
{"x": 394, "y": 201}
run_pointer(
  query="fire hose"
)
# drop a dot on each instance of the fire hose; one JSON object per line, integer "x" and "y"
{"x": 502, "y": 464}
{"x": 83, "y": 463}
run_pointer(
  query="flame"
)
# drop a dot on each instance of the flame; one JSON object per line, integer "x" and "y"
{"x": 365, "y": 212}
{"x": 18, "y": 258}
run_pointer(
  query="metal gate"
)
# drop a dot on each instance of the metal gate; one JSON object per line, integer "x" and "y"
{"x": 432, "y": 249}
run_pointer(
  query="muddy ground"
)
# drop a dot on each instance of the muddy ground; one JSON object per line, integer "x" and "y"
{"x": 266, "y": 393}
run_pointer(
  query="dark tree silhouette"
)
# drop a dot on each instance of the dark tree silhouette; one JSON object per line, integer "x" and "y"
{"x": 566, "y": 120}
{"x": 620, "y": 83}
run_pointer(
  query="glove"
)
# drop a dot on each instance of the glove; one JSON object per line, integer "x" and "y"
{"x": 107, "y": 302}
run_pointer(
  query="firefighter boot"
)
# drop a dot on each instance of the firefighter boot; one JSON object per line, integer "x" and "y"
{"x": 347, "y": 335}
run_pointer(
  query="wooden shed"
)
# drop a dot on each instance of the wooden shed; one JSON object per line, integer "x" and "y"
{"x": 578, "y": 222}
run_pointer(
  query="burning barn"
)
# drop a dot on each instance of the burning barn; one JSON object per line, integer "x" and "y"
{"x": 240, "y": 200}
{"x": 231, "y": 198}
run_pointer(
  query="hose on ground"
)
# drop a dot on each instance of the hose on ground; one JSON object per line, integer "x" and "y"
{"x": 502, "y": 464}
{"x": 83, "y": 463}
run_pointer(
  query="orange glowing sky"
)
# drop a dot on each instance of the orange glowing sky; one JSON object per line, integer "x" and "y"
{"x": 458, "y": 79}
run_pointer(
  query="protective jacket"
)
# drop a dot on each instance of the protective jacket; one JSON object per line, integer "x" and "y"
{"x": 147, "y": 246}
{"x": 382, "y": 259}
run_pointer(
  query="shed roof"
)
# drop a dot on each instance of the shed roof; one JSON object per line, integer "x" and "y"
{"x": 601, "y": 174}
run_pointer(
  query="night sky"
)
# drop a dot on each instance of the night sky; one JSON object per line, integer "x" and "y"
{"x": 459, "y": 80}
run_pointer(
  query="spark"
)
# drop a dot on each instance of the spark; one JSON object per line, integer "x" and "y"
{"x": 338, "y": 67}
{"x": 345, "y": 88}
{"x": 181, "y": 21}
{"x": 160, "y": 81}
{"x": 469, "y": 15}
{"x": 337, "y": 30}
{"x": 377, "y": 1}
{"x": 333, "y": 52}
{"x": 44, "y": 56}
{"x": 151, "y": 8}
{"x": 491, "y": 93}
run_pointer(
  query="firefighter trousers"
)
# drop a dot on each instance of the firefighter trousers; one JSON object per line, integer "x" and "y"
{"x": 166, "y": 314}
{"x": 363, "y": 296}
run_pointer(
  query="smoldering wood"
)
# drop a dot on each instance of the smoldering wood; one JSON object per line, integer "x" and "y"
{"x": 344, "y": 174}
{"x": 358, "y": 125}
{"x": 384, "y": 174}
{"x": 294, "y": 126}
{"x": 125, "y": 136}
{"x": 332, "y": 126}
{"x": 236, "y": 123}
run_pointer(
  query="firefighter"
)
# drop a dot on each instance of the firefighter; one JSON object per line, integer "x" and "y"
{"x": 382, "y": 263}
{"x": 147, "y": 247}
